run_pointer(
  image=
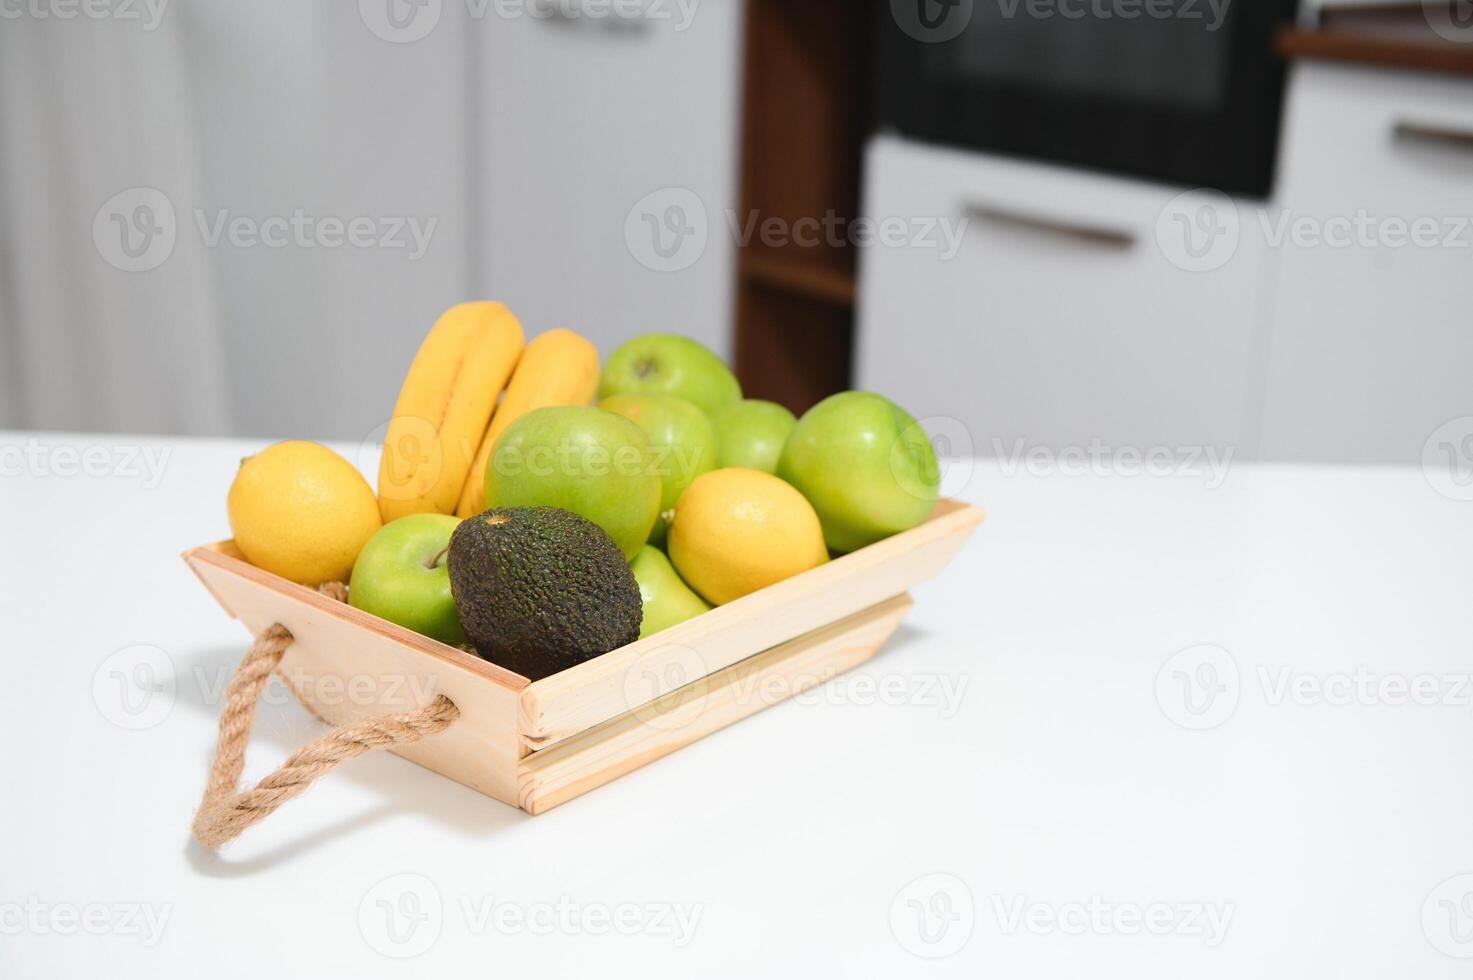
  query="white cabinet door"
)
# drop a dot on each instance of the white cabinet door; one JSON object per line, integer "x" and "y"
{"x": 1373, "y": 340}
{"x": 583, "y": 117}
{"x": 1069, "y": 317}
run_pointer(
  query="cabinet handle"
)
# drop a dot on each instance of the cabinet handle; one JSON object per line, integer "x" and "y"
{"x": 572, "y": 11}
{"x": 1409, "y": 132}
{"x": 1094, "y": 234}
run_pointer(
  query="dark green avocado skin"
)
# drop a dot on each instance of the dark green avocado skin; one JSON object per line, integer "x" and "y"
{"x": 541, "y": 589}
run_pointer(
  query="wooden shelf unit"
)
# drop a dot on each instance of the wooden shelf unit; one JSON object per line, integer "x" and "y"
{"x": 803, "y": 123}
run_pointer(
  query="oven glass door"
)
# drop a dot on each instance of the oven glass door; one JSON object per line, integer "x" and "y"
{"x": 1183, "y": 91}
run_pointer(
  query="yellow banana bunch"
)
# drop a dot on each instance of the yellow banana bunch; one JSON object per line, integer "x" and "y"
{"x": 444, "y": 408}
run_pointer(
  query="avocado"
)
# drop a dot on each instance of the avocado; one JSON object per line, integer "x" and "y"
{"x": 541, "y": 589}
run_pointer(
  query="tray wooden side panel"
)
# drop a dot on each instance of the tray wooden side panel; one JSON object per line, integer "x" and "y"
{"x": 346, "y": 665}
{"x": 560, "y": 706}
{"x": 620, "y": 745}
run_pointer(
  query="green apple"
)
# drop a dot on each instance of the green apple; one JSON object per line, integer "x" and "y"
{"x": 865, "y": 465}
{"x": 587, "y": 460}
{"x": 665, "y": 364}
{"x": 401, "y": 575}
{"x": 667, "y": 599}
{"x": 682, "y": 437}
{"x": 751, "y": 434}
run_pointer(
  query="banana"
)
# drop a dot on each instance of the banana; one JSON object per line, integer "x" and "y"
{"x": 558, "y": 368}
{"x": 444, "y": 408}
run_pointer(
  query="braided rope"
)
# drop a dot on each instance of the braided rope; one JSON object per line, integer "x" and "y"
{"x": 224, "y": 812}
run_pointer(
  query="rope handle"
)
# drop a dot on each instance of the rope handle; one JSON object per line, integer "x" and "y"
{"x": 225, "y": 812}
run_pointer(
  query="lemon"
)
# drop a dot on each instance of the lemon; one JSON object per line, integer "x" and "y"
{"x": 736, "y": 531}
{"x": 299, "y": 510}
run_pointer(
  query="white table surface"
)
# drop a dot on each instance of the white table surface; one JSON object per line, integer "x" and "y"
{"x": 1058, "y": 807}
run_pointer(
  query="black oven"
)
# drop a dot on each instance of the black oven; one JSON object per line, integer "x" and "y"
{"x": 1186, "y": 92}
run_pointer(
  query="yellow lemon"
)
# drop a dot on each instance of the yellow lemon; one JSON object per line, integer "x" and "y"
{"x": 299, "y": 510}
{"x": 736, "y": 531}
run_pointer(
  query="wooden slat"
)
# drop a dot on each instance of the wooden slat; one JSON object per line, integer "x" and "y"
{"x": 620, "y": 745}
{"x": 1377, "y": 50}
{"x": 576, "y": 699}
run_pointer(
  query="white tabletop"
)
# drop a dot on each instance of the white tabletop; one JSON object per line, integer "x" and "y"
{"x": 1016, "y": 781}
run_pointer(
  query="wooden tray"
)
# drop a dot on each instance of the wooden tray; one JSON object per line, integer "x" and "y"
{"x": 538, "y": 744}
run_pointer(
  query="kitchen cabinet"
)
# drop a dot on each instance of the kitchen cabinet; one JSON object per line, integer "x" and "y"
{"x": 582, "y": 117}
{"x": 1372, "y": 340}
{"x": 1061, "y": 320}
{"x": 1339, "y": 327}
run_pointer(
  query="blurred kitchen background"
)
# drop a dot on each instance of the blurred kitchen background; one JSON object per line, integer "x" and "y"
{"x": 1127, "y": 224}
